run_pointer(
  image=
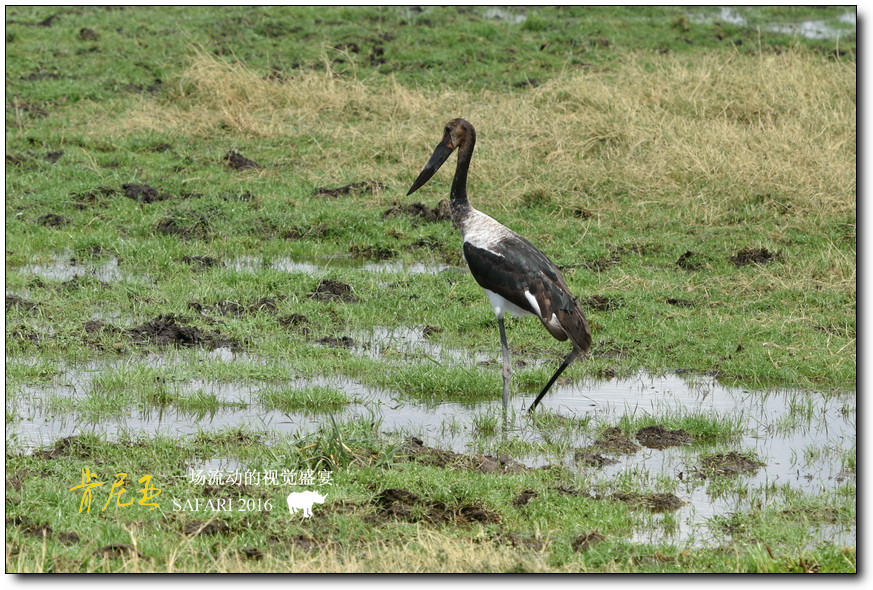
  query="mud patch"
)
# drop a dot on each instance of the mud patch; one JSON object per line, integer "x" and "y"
{"x": 207, "y": 528}
{"x": 355, "y": 188}
{"x": 591, "y": 459}
{"x": 416, "y": 450}
{"x": 70, "y": 446}
{"x": 143, "y": 193}
{"x": 298, "y": 541}
{"x": 118, "y": 550}
{"x": 232, "y": 308}
{"x": 658, "y": 437}
{"x": 92, "y": 198}
{"x": 372, "y": 252}
{"x": 16, "y": 302}
{"x": 690, "y": 261}
{"x": 197, "y": 228}
{"x": 86, "y": 34}
{"x": 251, "y": 552}
{"x": 586, "y": 541}
{"x": 29, "y": 527}
{"x": 524, "y": 498}
{"x": 651, "y": 502}
{"x": 748, "y": 256}
{"x": 679, "y": 302}
{"x": 331, "y": 290}
{"x": 295, "y": 320}
{"x": 519, "y": 541}
{"x": 341, "y": 342}
{"x": 600, "y": 303}
{"x": 239, "y": 162}
{"x": 399, "y": 504}
{"x": 602, "y": 264}
{"x": 612, "y": 441}
{"x": 51, "y": 220}
{"x": 420, "y": 211}
{"x": 200, "y": 262}
{"x": 164, "y": 331}
{"x": 729, "y": 464}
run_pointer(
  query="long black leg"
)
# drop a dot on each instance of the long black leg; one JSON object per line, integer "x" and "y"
{"x": 507, "y": 367}
{"x": 570, "y": 358}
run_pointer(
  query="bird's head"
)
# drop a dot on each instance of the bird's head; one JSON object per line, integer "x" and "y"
{"x": 458, "y": 133}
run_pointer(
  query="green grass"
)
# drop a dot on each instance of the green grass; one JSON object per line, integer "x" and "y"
{"x": 617, "y": 139}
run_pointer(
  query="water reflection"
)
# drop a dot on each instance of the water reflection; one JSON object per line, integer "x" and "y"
{"x": 802, "y": 436}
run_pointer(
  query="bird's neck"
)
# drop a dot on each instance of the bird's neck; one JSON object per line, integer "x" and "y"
{"x": 459, "y": 183}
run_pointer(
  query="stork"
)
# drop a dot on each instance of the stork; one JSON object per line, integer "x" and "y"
{"x": 516, "y": 276}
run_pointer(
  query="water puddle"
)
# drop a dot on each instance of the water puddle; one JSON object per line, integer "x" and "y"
{"x": 497, "y": 13}
{"x": 801, "y": 436}
{"x": 811, "y": 29}
{"x": 67, "y": 267}
{"x": 410, "y": 343}
{"x": 321, "y": 266}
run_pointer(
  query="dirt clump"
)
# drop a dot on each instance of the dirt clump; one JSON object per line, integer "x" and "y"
{"x": 689, "y": 261}
{"x": 251, "y": 552}
{"x": 748, "y": 256}
{"x": 586, "y": 541}
{"x": 232, "y": 308}
{"x": 199, "y": 527}
{"x": 92, "y": 198}
{"x": 331, "y": 290}
{"x": 416, "y": 450}
{"x": 519, "y": 541}
{"x": 294, "y": 320}
{"x": 652, "y": 502}
{"x": 679, "y": 302}
{"x": 524, "y": 498}
{"x": 200, "y": 262}
{"x": 86, "y": 34}
{"x": 600, "y": 303}
{"x": 730, "y": 464}
{"x": 29, "y": 527}
{"x": 239, "y": 162}
{"x": 420, "y": 211}
{"x": 70, "y": 446}
{"x": 16, "y": 302}
{"x": 612, "y": 441}
{"x": 165, "y": 331}
{"x": 372, "y": 252}
{"x": 658, "y": 437}
{"x": 603, "y": 264}
{"x": 118, "y": 550}
{"x": 143, "y": 193}
{"x": 341, "y": 342}
{"x": 366, "y": 186}
{"x": 51, "y": 220}
{"x": 592, "y": 459}
{"x": 174, "y": 226}
{"x": 400, "y": 504}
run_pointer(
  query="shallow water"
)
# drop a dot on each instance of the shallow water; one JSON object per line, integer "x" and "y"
{"x": 67, "y": 267}
{"x": 319, "y": 266}
{"x": 800, "y": 435}
{"x": 811, "y": 28}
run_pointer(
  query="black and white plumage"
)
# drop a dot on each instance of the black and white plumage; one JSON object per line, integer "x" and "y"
{"x": 516, "y": 276}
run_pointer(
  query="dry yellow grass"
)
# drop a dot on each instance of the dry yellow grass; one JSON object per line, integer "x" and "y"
{"x": 702, "y": 133}
{"x": 706, "y": 138}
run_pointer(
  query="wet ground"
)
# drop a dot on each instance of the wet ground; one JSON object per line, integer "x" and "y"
{"x": 791, "y": 437}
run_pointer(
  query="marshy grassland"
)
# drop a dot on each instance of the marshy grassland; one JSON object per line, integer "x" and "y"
{"x": 211, "y": 265}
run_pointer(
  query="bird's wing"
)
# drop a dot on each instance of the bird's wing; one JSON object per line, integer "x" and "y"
{"x": 512, "y": 271}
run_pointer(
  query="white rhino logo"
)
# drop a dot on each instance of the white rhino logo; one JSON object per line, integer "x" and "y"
{"x": 304, "y": 501}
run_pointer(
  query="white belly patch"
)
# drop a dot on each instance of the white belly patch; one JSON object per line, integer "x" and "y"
{"x": 501, "y": 306}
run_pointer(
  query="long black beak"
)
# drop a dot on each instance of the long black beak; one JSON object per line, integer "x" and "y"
{"x": 440, "y": 155}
